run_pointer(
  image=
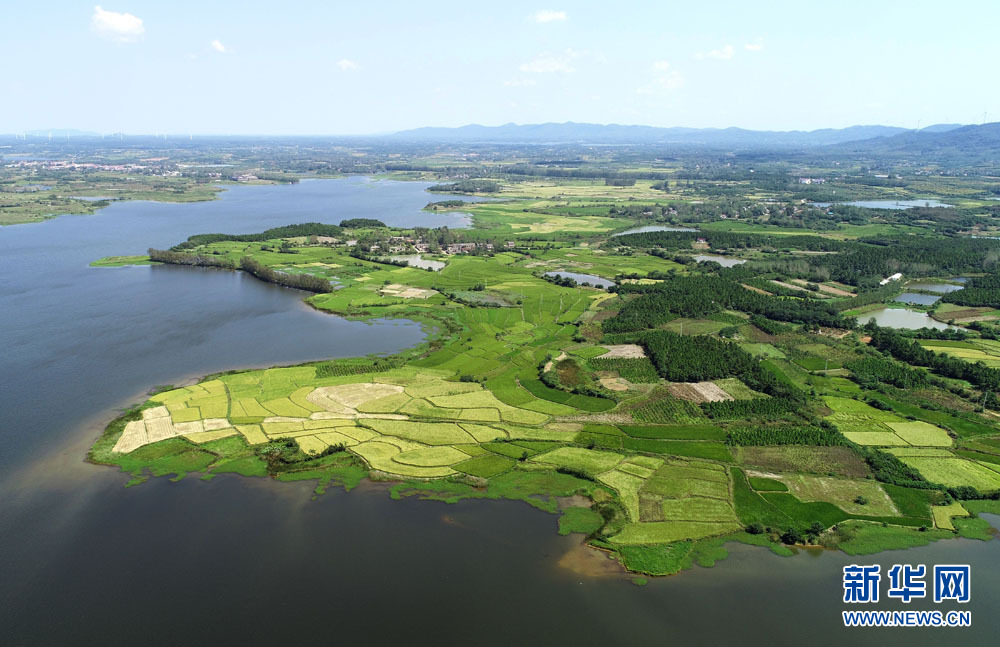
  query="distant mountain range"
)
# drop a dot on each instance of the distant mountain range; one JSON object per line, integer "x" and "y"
{"x": 964, "y": 142}
{"x": 570, "y": 132}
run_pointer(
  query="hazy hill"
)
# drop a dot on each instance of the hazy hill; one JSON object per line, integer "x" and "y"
{"x": 966, "y": 143}
{"x": 571, "y": 132}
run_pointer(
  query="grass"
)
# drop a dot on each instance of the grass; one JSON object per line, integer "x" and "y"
{"x": 711, "y": 450}
{"x": 675, "y": 432}
{"x": 921, "y": 434}
{"x": 635, "y": 370}
{"x": 431, "y": 456}
{"x": 866, "y": 538}
{"x": 431, "y": 433}
{"x": 818, "y": 460}
{"x": 666, "y": 532}
{"x": 668, "y": 410}
{"x": 486, "y": 466}
{"x": 762, "y": 484}
{"x": 627, "y": 486}
{"x": 582, "y": 520}
{"x": 753, "y": 508}
{"x": 842, "y": 493}
{"x": 911, "y": 502}
{"x": 539, "y": 489}
{"x": 585, "y": 460}
{"x": 943, "y": 514}
{"x": 121, "y": 261}
{"x": 954, "y": 472}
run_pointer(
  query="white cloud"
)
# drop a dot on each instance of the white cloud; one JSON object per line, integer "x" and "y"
{"x": 547, "y": 15}
{"x": 664, "y": 79}
{"x": 723, "y": 54}
{"x": 218, "y": 46}
{"x": 119, "y": 27}
{"x": 520, "y": 83}
{"x": 347, "y": 64}
{"x": 756, "y": 46}
{"x": 552, "y": 63}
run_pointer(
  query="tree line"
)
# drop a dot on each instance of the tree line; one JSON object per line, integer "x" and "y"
{"x": 911, "y": 352}
{"x": 702, "y": 295}
{"x": 306, "y": 282}
{"x": 287, "y": 231}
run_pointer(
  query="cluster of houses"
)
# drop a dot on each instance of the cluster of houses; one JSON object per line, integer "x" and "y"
{"x": 812, "y": 180}
{"x": 404, "y": 244}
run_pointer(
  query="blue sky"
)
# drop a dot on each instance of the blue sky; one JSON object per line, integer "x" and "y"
{"x": 296, "y": 67}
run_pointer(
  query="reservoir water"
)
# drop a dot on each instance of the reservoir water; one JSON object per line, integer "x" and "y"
{"x": 917, "y": 298}
{"x": 889, "y": 204}
{"x": 902, "y": 318}
{"x": 724, "y": 261}
{"x": 940, "y": 288}
{"x": 85, "y": 561}
{"x": 416, "y": 260}
{"x": 584, "y": 278}
{"x": 648, "y": 228}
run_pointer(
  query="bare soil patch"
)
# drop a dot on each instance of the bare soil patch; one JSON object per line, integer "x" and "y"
{"x": 615, "y": 383}
{"x": 624, "y": 351}
{"x": 789, "y": 285}
{"x": 407, "y": 292}
{"x": 698, "y": 392}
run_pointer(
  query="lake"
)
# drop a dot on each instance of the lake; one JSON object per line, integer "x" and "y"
{"x": 724, "y": 261}
{"x": 917, "y": 298}
{"x": 416, "y": 260}
{"x": 941, "y": 288}
{"x": 85, "y": 561}
{"x": 888, "y": 204}
{"x": 902, "y": 318}
{"x": 647, "y": 228}
{"x": 584, "y": 278}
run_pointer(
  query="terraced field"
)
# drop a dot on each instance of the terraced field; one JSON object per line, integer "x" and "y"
{"x": 866, "y": 425}
{"x": 986, "y": 351}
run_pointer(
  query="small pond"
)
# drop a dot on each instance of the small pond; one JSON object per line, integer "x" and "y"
{"x": 903, "y": 318}
{"x": 941, "y": 288}
{"x": 917, "y": 298}
{"x": 888, "y": 204}
{"x": 648, "y": 228}
{"x": 584, "y": 278}
{"x": 724, "y": 261}
{"x": 416, "y": 260}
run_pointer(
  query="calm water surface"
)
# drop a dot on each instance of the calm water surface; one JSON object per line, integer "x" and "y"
{"x": 84, "y": 561}
{"x": 724, "y": 261}
{"x": 917, "y": 298}
{"x": 902, "y": 318}
{"x": 593, "y": 279}
{"x": 416, "y": 260}
{"x": 942, "y": 288}
{"x": 648, "y": 228}
{"x": 889, "y": 204}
